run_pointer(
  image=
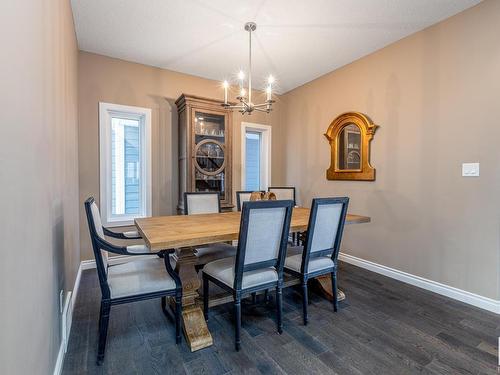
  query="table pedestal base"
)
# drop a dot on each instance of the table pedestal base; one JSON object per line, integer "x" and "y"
{"x": 325, "y": 285}
{"x": 195, "y": 328}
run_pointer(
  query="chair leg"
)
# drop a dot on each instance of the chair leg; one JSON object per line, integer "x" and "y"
{"x": 164, "y": 304}
{"x": 254, "y": 298}
{"x": 304, "y": 301}
{"x": 237, "y": 322}
{"x": 103, "y": 330}
{"x": 205, "y": 297}
{"x": 178, "y": 320}
{"x": 266, "y": 296}
{"x": 334, "y": 291}
{"x": 279, "y": 306}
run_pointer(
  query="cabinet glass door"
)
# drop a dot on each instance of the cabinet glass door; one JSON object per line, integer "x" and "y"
{"x": 209, "y": 152}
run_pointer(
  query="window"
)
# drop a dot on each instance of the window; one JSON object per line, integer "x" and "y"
{"x": 252, "y": 161}
{"x": 125, "y": 163}
{"x": 256, "y": 156}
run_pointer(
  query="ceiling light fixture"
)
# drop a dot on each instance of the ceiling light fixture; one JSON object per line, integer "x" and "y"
{"x": 246, "y": 105}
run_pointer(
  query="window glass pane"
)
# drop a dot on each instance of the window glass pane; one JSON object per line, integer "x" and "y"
{"x": 125, "y": 166}
{"x": 252, "y": 161}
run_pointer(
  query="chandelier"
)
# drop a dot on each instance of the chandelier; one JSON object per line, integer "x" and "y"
{"x": 245, "y": 103}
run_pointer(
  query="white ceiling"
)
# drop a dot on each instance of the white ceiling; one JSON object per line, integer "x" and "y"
{"x": 296, "y": 40}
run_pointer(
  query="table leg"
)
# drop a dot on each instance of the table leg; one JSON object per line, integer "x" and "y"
{"x": 325, "y": 285}
{"x": 195, "y": 328}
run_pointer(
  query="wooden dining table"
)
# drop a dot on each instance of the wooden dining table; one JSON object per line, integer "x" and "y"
{"x": 186, "y": 232}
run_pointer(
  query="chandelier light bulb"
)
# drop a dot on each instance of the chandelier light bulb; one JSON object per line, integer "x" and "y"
{"x": 241, "y": 75}
{"x": 268, "y": 92}
{"x": 270, "y": 79}
{"x": 243, "y": 93}
{"x": 226, "y": 85}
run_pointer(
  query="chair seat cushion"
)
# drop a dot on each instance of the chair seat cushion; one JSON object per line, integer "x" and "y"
{"x": 131, "y": 234}
{"x": 223, "y": 270}
{"x": 213, "y": 252}
{"x": 293, "y": 261}
{"x": 139, "y": 277}
{"x": 138, "y": 249}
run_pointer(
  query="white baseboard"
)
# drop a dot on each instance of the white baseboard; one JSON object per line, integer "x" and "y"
{"x": 60, "y": 359}
{"x": 62, "y": 348}
{"x": 433, "y": 286}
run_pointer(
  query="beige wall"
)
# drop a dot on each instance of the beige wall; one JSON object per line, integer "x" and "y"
{"x": 39, "y": 175}
{"x": 106, "y": 79}
{"x": 435, "y": 96}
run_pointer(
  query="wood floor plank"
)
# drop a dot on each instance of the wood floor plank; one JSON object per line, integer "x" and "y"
{"x": 383, "y": 327}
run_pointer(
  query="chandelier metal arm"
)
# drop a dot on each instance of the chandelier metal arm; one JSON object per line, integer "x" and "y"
{"x": 262, "y": 110}
{"x": 234, "y": 106}
{"x": 268, "y": 102}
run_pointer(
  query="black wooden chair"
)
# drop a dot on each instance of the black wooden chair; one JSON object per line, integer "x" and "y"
{"x": 201, "y": 202}
{"x": 243, "y": 196}
{"x": 197, "y": 203}
{"x": 286, "y": 192}
{"x": 138, "y": 280}
{"x": 321, "y": 248}
{"x": 129, "y": 235}
{"x": 259, "y": 261}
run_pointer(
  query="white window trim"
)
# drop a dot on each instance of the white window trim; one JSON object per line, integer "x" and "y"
{"x": 265, "y": 152}
{"x": 106, "y": 111}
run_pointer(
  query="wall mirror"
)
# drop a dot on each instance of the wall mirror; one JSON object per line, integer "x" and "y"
{"x": 349, "y": 136}
{"x": 349, "y": 150}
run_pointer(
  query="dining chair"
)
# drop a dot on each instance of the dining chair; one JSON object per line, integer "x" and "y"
{"x": 137, "y": 280}
{"x": 284, "y": 192}
{"x": 201, "y": 202}
{"x": 243, "y": 196}
{"x": 259, "y": 260}
{"x": 319, "y": 255}
{"x": 128, "y": 235}
{"x": 196, "y": 203}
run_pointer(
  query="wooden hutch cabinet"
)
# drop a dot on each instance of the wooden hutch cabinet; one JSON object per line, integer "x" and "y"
{"x": 205, "y": 153}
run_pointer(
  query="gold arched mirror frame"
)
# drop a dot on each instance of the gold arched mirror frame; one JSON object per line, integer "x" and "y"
{"x": 340, "y": 170}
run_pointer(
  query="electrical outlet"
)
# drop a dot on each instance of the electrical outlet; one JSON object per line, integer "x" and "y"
{"x": 470, "y": 169}
{"x": 61, "y": 301}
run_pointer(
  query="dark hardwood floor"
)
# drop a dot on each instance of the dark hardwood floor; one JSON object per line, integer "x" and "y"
{"x": 384, "y": 327}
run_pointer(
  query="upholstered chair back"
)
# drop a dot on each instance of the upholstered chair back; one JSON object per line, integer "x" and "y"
{"x": 263, "y": 235}
{"x": 326, "y": 226}
{"x": 283, "y": 193}
{"x": 242, "y": 196}
{"x": 96, "y": 220}
{"x": 245, "y": 196}
{"x": 324, "y": 232}
{"x": 201, "y": 203}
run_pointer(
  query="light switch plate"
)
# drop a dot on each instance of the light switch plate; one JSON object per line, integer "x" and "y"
{"x": 470, "y": 169}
